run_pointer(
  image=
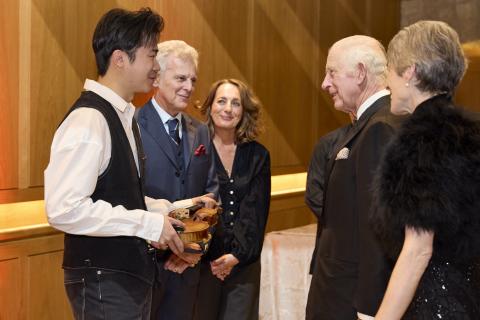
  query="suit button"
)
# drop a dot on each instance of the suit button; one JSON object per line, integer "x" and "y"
{"x": 179, "y": 154}
{"x": 177, "y": 174}
{"x": 231, "y": 213}
{"x": 231, "y": 223}
{"x": 231, "y": 191}
{"x": 231, "y": 202}
{"x": 183, "y": 181}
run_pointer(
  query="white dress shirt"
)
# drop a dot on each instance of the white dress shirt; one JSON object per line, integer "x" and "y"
{"x": 80, "y": 153}
{"x": 367, "y": 103}
{"x": 165, "y": 117}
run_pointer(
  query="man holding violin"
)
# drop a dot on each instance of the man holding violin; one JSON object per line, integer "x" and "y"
{"x": 179, "y": 165}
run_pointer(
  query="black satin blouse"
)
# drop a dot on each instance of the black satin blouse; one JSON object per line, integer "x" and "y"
{"x": 245, "y": 197}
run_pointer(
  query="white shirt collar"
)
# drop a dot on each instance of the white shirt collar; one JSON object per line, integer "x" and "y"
{"x": 367, "y": 103}
{"x": 164, "y": 115}
{"x": 108, "y": 94}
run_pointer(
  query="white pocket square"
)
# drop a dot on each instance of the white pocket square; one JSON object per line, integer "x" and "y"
{"x": 342, "y": 154}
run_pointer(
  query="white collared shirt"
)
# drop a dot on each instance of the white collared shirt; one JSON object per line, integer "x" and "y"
{"x": 367, "y": 103}
{"x": 80, "y": 153}
{"x": 165, "y": 116}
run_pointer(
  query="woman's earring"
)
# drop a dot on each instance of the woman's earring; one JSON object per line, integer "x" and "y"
{"x": 407, "y": 84}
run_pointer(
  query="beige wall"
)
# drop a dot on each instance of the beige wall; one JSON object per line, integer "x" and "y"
{"x": 277, "y": 46}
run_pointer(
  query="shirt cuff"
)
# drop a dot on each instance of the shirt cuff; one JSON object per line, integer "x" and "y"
{"x": 161, "y": 206}
{"x": 187, "y": 203}
{"x": 152, "y": 226}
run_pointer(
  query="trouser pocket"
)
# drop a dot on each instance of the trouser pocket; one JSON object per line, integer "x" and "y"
{"x": 75, "y": 289}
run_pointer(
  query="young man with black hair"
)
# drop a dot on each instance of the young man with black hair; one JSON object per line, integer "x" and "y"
{"x": 93, "y": 183}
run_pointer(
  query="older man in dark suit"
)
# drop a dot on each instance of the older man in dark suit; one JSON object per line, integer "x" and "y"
{"x": 179, "y": 165}
{"x": 315, "y": 188}
{"x": 350, "y": 271}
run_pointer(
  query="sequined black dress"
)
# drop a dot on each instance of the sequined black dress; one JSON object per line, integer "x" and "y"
{"x": 446, "y": 291}
{"x": 430, "y": 180}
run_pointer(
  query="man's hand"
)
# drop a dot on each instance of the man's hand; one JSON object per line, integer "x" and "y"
{"x": 206, "y": 200}
{"x": 179, "y": 263}
{"x": 169, "y": 237}
{"x": 191, "y": 258}
{"x": 222, "y": 267}
{"x": 175, "y": 264}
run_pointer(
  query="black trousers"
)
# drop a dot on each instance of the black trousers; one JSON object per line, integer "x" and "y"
{"x": 96, "y": 294}
{"x": 331, "y": 291}
{"x": 236, "y": 298}
{"x": 174, "y": 294}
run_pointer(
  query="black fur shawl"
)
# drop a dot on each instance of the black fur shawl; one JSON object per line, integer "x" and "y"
{"x": 430, "y": 180}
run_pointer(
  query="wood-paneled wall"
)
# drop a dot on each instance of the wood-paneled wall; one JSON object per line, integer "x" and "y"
{"x": 9, "y": 93}
{"x": 277, "y": 46}
{"x": 31, "y": 281}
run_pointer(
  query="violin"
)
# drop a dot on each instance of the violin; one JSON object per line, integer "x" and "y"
{"x": 198, "y": 223}
{"x": 194, "y": 231}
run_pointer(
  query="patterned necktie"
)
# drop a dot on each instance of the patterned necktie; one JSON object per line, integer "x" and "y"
{"x": 173, "y": 130}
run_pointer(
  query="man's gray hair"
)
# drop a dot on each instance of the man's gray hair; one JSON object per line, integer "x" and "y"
{"x": 177, "y": 48}
{"x": 367, "y": 51}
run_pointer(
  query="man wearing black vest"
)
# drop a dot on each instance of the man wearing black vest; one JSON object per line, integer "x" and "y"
{"x": 93, "y": 183}
{"x": 179, "y": 165}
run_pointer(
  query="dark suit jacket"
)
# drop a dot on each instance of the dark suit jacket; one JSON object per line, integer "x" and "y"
{"x": 162, "y": 178}
{"x": 168, "y": 176}
{"x": 314, "y": 192}
{"x": 347, "y": 238}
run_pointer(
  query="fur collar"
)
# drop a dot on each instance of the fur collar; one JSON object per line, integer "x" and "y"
{"x": 430, "y": 179}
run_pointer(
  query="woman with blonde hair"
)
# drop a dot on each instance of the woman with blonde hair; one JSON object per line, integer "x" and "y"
{"x": 230, "y": 271}
{"x": 428, "y": 187}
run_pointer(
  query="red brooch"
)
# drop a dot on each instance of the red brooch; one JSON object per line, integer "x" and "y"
{"x": 200, "y": 150}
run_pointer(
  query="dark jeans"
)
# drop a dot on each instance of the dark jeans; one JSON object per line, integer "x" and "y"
{"x": 103, "y": 295}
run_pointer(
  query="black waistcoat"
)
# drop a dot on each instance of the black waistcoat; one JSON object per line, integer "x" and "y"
{"x": 118, "y": 185}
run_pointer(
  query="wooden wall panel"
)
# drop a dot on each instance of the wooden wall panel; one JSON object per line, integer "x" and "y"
{"x": 61, "y": 59}
{"x": 46, "y": 290}
{"x": 9, "y": 63}
{"x": 463, "y": 16}
{"x": 287, "y": 68}
{"x": 11, "y": 282}
{"x": 31, "y": 279}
